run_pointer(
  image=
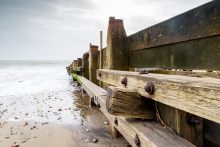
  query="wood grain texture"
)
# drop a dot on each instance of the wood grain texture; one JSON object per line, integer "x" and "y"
{"x": 199, "y": 22}
{"x": 127, "y": 103}
{"x": 93, "y": 63}
{"x": 199, "y": 54}
{"x": 85, "y": 65}
{"x": 151, "y": 134}
{"x": 199, "y": 96}
{"x": 117, "y": 51}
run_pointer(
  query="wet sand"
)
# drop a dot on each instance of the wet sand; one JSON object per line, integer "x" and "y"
{"x": 54, "y": 119}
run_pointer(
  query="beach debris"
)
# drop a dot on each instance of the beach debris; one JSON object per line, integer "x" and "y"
{"x": 87, "y": 140}
{"x": 95, "y": 140}
{"x": 87, "y": 130}
{"x": 60, "y": 109}
{"x": 26, "y": 123}
{"x": 44, "y": 123}
{"x": 24, "y": 141}
{"x": 33, "y": 127}
{"x": 15, "y": 144}
{"x": 55, "y": 113}
{"x": 59, "y": 118}
{"x": 26, "y": 114}
{"x": 82, "y": 121}
{"x": 106, "y": 123}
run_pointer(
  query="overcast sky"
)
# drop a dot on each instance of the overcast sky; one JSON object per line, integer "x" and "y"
{"x": 63, "y": 29}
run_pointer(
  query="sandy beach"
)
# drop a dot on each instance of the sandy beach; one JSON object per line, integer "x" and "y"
{"x": 59, "y": 117}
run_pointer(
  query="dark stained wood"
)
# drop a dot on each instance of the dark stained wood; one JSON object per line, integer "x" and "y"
{"x": 93, "y": 63}
{"x": 195, "y": 54}
{"x": 85, "y": 65}
{"x": 211, "y": 134}
{"x": 197, "y": 23}
{"x": 117, "y": 51}
{"x": 79, "y": 62}
{"x": 179, "y": 121}
{"x": 127, "y": 103}
{"x": 74, "y": 63}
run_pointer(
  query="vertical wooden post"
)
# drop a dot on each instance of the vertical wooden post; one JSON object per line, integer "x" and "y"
{"x": 117, "y": 50}
{"x": 100, "y": 57}
{"x": 101, "y": 53}
{"x": 85, "y": 65}
{"x": 93, "y": 63}
{"x": 181, "y": 123}
{"x": 79, "y": 62}
{"x": 74, "y": 63}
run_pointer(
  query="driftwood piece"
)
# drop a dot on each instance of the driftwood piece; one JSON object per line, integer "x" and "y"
{"x": 127, "y": 103}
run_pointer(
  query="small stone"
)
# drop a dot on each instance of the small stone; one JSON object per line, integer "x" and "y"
{"x": 105, "y": 122}
{"x": 87, "y": 130}
{"x": 15, "y": 145}
{"x": 33, "y": 127}
{"x": 59, "y": 109}
{"x": 26, "y": 114}
{"x": 95, "y": 140}
{"x": 26, "y": 123}
{"x": 86, "y": 140}
{"x": 44, "y": 123}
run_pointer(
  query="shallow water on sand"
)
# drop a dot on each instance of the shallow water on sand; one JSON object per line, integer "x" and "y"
{"x": 41, "y": 106}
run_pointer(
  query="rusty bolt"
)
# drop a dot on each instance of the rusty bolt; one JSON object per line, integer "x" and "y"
{"x": 137, "y": 141}
{"x": 143, "y": 71}
{"x": 149, "y": 88}
{"x": 124, "y": 81}
{"x": 193, "y": 120}
{"x": 116, "y": 121}
{"x": 100, "y": 74}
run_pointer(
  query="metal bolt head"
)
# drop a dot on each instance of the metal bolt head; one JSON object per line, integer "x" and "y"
{"x": 100, "y": 74}
{"x": 137, "y": 141}
{"x": 124, "y": 81}
{"x": 143, "y": 71}
{"x": 149, "y": 88}
{"x": 116, "y": 121}
{"x": 193, "y": 120}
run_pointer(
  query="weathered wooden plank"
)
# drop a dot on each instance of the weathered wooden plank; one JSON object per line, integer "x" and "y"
{"x": 197, "y": 23}
{"x": 127, "y": 103}
{"x": 199, "y": 96}
{"x": 150, "y": 134}
{"x": 195, "y": 54}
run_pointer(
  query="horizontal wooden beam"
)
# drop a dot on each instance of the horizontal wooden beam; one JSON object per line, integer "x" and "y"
{"x": 135, "y": 131}
{"x": 76, "y": 68}
{"x": 199, "y": 22}
{"x": 199, "y": 96}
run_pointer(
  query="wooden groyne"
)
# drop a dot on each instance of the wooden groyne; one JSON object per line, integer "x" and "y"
{"x": 159, "y": 86}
